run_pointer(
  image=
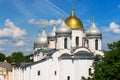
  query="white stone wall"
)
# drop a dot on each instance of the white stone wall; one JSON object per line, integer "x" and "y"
{"x": 99, "y": 44}
{"x": 60, "y": 43}
{"x": 91, "y": 44}
{"x": 52, "y": 44}
{"x": 76, "y": 33}
{"x": 64, "y": 68}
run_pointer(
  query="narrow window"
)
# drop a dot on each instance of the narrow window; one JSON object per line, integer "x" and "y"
{"x": 89, "y": 71}
{"x": 88, "y": 43}
{"x": 96, "y": 44}
{"x": 65, "y": 43}
{"x": 55, "y": 73}
{"x": 48, "y": 42}
{"x": 68, "y": 78}
{"x": 77, "y": 41}
{"x": 38, "y": 73}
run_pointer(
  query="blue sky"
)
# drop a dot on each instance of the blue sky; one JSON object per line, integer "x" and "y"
{"x": 20, "y": 20}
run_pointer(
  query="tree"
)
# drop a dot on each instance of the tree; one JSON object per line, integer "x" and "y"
{"x": 2, "y": 57}
{"x": 109, "y": 67}
{"x": 17, "y": 57}
{"x": 27, "y": 57}
{"x": 9, "y": 59}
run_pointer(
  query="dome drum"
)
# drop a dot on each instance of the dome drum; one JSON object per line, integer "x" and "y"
{"x": 63, "y": 34}
{"x": 51, "y": 38}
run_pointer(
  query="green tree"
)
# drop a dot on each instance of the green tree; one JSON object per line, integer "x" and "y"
{"x": 9, "y": 59}
{"x": 2, "y": 57}
{"x": 17, "y": 57}
{"x": 27, "y": 57}
{"x": 109, "y": 67}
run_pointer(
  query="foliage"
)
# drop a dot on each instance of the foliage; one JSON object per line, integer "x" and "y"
{"x": 27, "y": 57}
{"x": 2, "y": 57}
{"x": 109, "y": 67}
{"x": 17, "y": 57}
{"x": 9, "y": 59}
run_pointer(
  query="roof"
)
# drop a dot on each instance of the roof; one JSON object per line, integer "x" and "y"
{"x": 6, "y": 65}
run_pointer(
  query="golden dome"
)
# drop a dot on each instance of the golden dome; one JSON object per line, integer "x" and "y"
{"x": 73, "y": 22}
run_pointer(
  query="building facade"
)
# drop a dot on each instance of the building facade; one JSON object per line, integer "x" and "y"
{"x": 5, "y": 71}
{"x": 66, "y": 53}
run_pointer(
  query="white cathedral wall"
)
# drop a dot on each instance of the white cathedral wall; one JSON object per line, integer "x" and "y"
{"x": 92, "y": 44}
{"x": 42, "y": 67}
{"x": 59, "y": 44}
{"x": 51, "y": 44}
{"x": 66, "y": 69}
{"x": 68, "y": 43}
{"x": 75, "y": 69}
{"x": 84, "y": 66}
{"x": 99, "y": 44}
{"x": 76, "y": 33}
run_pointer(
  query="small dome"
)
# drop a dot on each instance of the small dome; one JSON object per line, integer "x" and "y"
{"x": 41, "y": 39}
{"x": 93, "y": 31}
{"x": 36, "y": 42}
{"x": 63, "y": 29}
{"x": 52, "y": 33}
{"x": 73, "y": 22}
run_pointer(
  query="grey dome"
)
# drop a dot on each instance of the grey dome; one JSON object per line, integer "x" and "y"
{"x": 36, "y": 42}
{"x": 93, "y": 31}
{"x": 41, "y": 39}
{"x": 52, "y": 33}
{"x": 63, "y": 29}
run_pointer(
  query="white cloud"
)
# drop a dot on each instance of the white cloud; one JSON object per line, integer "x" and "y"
{"x": 28, "y": 50}
{"x": 3, "y": 41}
{"x": 20, "y": 43}
{"x": 113, "y": 27}
{"x": 11, "y": 30}
{"x": 41, "y": 21}
{"x": 2, "y": 49}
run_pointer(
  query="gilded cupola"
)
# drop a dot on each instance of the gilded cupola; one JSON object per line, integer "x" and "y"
{"x": 74, "y": 22}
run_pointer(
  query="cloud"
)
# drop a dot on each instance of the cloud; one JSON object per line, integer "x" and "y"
{"x": 42, "y": 21}
{"x": 11, "y": 30}
{"x": 20, "y": 43}
{"x": 3, "y": 41}
{"x": 113, "y": 27}
{"x": 28, "y": 50}
{"x": 2, "y": 49}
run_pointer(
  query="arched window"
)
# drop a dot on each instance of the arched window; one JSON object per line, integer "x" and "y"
{"x": 65, "y": 43}
{"x": 68, "y": 78}
{"x": 55, "y": 73}
{"x": 38, "y": 73}
{"x": 48, "y": 42}
{"x": 96, "y": 44}
{"x": 89, "y": 71}
{"x": 77, "y": 41}
{"x": 88, "y": 43}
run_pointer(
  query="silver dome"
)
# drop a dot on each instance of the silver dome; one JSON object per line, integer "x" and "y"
{"x": 63, "y": 29}
{"x": 36, "y": 42}
{"x": 52, "y": 33}
{"x": 93, "y": 31}
{"x": 41, "y": 40}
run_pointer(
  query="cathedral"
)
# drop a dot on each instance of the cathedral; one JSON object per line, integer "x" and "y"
{"x": 66, "y": 53}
